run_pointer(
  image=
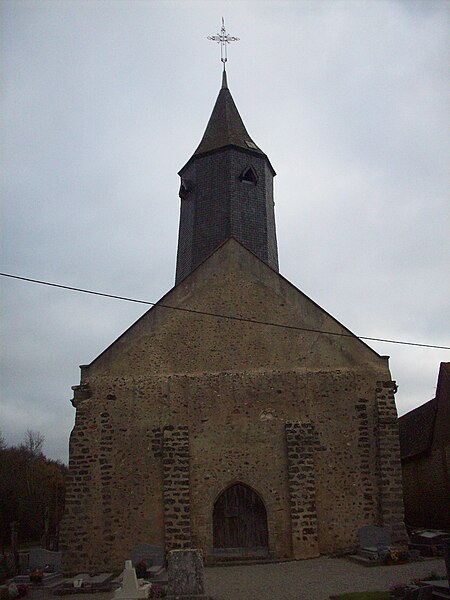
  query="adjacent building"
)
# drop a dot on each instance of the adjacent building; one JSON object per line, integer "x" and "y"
{"x": 425, "y": 456}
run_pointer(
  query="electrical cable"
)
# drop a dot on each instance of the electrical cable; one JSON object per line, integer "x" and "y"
{"x": 221, "y": 316}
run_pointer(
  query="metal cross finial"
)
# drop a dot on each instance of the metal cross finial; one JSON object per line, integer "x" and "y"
{"x": 223, "y": 39}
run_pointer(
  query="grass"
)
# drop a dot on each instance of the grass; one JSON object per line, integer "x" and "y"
{"x": 363, "y": 596}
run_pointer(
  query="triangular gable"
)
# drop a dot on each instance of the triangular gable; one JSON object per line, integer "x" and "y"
{"x": 234, "y": 282}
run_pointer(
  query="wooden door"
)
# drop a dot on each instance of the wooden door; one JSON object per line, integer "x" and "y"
{"x": 239, "y": 519}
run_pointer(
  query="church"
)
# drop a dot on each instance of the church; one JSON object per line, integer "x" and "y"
{"x": 236, "y": 415}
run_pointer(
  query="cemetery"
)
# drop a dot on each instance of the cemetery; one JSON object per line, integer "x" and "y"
{"x": 182, "y": 575}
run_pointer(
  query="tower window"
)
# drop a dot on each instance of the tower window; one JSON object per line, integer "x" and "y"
{"x": 251, "y": 144}
{"x": 249, "y": 176}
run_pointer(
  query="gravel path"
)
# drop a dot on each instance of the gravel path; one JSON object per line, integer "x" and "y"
{"x": 314, "y": 579}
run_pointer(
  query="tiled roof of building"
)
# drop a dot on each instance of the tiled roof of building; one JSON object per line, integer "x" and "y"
{"x": 225, "y": 126}
{"x": 416, "y": 429}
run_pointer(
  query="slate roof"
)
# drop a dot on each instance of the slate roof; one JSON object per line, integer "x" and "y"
{"x": 225, "y": 126}
{"x": 416, "y": 430}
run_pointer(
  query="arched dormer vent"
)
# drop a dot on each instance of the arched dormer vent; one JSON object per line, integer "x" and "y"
{"x": 249, "y": 176}
{"x": 185, "y": 188}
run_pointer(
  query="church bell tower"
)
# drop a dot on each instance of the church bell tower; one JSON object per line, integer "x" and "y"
{"x": 226, "y": 190}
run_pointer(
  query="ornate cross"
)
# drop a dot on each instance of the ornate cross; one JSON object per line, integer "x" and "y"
{"x": 223, "y": 39}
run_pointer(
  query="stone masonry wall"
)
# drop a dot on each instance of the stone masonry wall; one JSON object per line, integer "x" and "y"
{"x": 75, "y": 538}
{"x": 366, "y": 459}
{"x": 150, "y": 455}
{"x": 389, "y": 466}
{"x": 177, "y": 506}
{"x": 107, "y": 484}
{"x": 301, "y": 443}
{"x": 234, "y": 384}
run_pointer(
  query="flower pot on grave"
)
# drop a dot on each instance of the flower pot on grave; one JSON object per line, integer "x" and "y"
{"x": 36, "y": 577}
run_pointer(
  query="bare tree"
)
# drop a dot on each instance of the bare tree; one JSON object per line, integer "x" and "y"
{"x": 33, "y": 442}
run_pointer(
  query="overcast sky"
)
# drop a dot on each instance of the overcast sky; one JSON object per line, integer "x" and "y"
{"x": 102, "y": 103}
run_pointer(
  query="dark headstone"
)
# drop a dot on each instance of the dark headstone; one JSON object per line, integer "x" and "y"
{"x": 150, "y": 555}
{"x": 371, "y": 536}
{"x": 41, "y": 558}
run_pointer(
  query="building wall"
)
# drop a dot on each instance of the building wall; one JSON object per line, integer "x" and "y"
{"x": 183, "y": 405}
{"x": 426, "y": 491}
{"x": 426, "y": 477}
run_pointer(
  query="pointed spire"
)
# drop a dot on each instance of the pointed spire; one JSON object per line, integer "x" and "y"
{"x": 225, "y": 126}
{"x": 224, "y": 79}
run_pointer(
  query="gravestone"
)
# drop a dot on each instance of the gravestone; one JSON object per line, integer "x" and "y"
{"x": 371, "y": 536}
{"x": 150, "y": 555}
{"x": 131, "y": 588}
{"x": 186, "y": 576}
{"x": 41, "y": 558}
{"x": 374, "y": 545}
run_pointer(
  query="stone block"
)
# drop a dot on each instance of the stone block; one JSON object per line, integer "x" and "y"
{"x": 185, "y": 574}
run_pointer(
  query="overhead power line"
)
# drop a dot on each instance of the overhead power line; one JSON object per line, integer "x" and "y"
{"x": 221, "y": 316}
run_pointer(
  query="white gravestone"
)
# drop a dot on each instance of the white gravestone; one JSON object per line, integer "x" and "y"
{"x": 132, "y": 588}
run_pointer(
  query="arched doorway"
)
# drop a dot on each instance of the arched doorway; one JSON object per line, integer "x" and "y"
{"x": 240, "y": 520}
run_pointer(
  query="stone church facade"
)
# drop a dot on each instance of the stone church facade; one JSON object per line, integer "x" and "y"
{"x": 255, "y": 435}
